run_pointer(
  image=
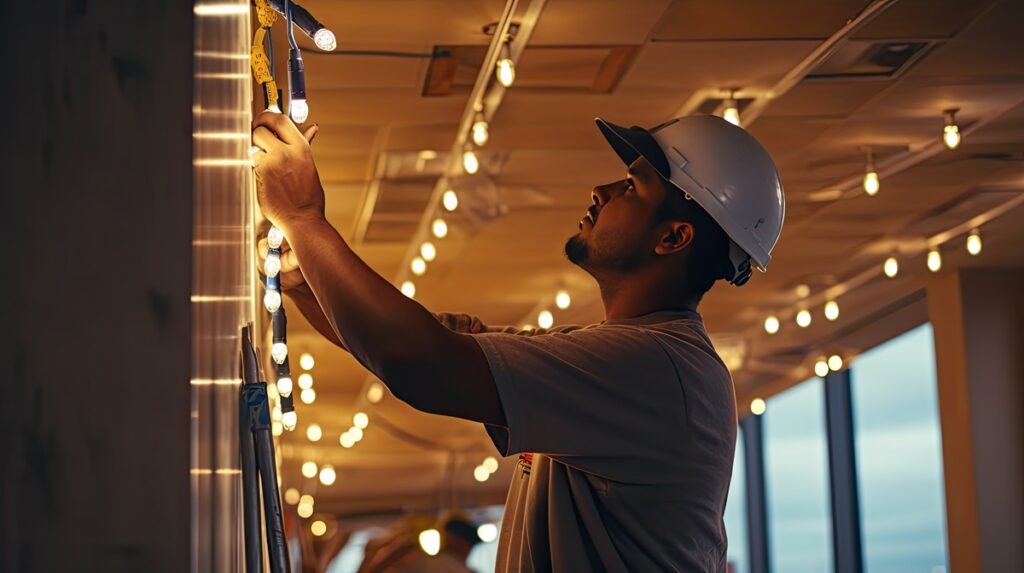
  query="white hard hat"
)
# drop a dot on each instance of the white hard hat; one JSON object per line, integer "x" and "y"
{"x": 721, "y": 167}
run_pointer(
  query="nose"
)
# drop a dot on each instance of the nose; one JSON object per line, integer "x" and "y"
{"x": 601, "y": 194}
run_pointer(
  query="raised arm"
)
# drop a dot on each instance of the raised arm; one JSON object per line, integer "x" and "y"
{"x": 423, "y": 363}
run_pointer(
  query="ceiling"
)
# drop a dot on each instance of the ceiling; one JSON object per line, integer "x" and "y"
{"x": 545, "y": 155}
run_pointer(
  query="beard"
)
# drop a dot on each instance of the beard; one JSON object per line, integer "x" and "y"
{"x": 615, "y": 253}
{"x": 577, "y": 250}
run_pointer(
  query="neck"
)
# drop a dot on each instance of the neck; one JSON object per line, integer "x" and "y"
{"x": 637, "y": 294}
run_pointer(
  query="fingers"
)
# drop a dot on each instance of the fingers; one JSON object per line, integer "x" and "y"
{"x": 264, "y": 139}
{"x": 310, "y": 133}
{"x": 280, "y": 126}
{"x": 289, "y": 262}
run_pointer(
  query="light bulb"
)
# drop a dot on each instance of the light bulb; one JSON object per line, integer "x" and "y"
{"x": 891, "y": 267}
{"x": 289, "y": 419}
{"x": 771, "y": 324}
{"x": 563, "y": 300}
{"x": 308, "y": 469}
{"x": 480, "y": 134}
{"x": 276, "y": 428}
{"x": 291, "y": 496}
{"x": 835, "y": 363}
{"x": 356, "y": 433}
{"x": 430, "y": 541}
{"x": 273, "y": 394}
{"x": 951, "y": 136}
{"x": 308, "y": 396}
{"x": 803, "y": 291}
{"x": 934, "y": 260}
{"x": 275, "y": 412}
{"x": 409, "y": 289}
{"x": 450, "y": 200}
{"x": 305, "y": 510}
{"x": 325, "y": 40}
{"x": 418, "y": 266}
{"x": 506, "y": 72}
{"x": 360, "y": 420}
{"x": 439, "y": 228}
{"x": 272, "y": 301}
{"x": 318, "y": 528}
{"x": 306, "y": 499}
{"x": 757, "y": 406}
{"x": 731, "y": 113}
{"x": 279, "y": 351}
{"x": 871, "y": 183}
{"x": 284, "y": 386}
{"x": 298, "y": 110}
{"x": 314, "y": 433}
{"x": 272, "y": 265}
{"x": 974, "y": 242}
{"x": 428, "y": 251}
{"x": 305, "y": 380}
{"x": 375, "y": 393}
{"x": 487, "y": 532}
{"x": 831, "y": 310}
{"x": 821, "y": 368}
{"x": 306, "y": 361}
{"x": 470, "y": 163}
{"x": 275, "y": 237}
{"x": 491, "y": 463}
{"x": 346, "y": 440}
{"x": 481, "y": 474}
{"x": 328, "y": 475}
{"x": 803, "y": 318}
{"x": 545, "y": 319}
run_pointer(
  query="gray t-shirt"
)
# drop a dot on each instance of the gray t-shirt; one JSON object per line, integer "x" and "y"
{"x": 626, "y": 432}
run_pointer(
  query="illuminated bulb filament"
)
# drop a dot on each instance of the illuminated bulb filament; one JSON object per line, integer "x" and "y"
{"x": 470, "y": 162}
{"x": 821, "y": 368}
{"x": 450, "y": 200}
{"x": 409, "y": 289}
{"x": 563, "y": 300}
{"x": 831, "y": 310}
{"x": 545, "y": 319}
{"x": 757, "y": 406}
{"x": 803, "y": 318}
{"x": 418, "y": 266}
{"x": 284, "y": 386}
{"x": 430, "y": 541}
{"x": 974, "y": 243}
{"x": 272, "y": 301}
{"x": 934, "y": 260}
{"x": 481, "y": 474}
{"x": 951, "y": 136}
{"x": 871, "y": 183}
{"x": 325, "y": 40}
{"x": 428, "y": 251}
{"x": 279, "y": 351}
{"x": 506, "y": 71}
{"x": 835, "y": 363}
{"x": 731, "y": 113}
{"x": 891, "y": 267}
{"x": 298, "y": 109}
{"x": 439, "y": 228}
{"x": 289, "y": 419}
{"x": 480, "y": 133}
{"x": 771, "y": 324}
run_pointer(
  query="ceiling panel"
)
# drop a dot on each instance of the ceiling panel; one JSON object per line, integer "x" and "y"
{"x": 754, "y": 19}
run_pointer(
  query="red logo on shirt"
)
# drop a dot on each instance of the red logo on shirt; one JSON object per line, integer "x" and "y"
{"x": 526, "y": 462}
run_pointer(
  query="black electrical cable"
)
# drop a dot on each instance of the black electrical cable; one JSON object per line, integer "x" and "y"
{"x": 288, "y": 20}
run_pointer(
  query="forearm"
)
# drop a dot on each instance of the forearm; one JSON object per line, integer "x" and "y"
{"x": 390, "y": 334}
{"x": 307, "y": 304}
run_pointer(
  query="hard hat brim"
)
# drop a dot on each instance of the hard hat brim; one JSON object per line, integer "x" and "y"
{"x": 633, "y": 142}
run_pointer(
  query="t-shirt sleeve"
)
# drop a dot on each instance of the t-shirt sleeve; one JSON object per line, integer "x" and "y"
{"x": 469, "y": 324}
{"x": 606, "y": 400}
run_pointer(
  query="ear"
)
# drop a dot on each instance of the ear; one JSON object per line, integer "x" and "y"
{"x": 677, "y": 237}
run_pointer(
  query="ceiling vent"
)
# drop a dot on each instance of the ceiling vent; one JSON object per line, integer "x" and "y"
{"x": 862, "y": 59}
{"x": 583, "y": 69}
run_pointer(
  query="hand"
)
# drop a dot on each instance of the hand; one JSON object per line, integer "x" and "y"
{"x": 287, "y": 184}
{"x": 290, "y": 275}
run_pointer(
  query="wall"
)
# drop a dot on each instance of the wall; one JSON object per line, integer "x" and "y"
{"x": 95, "y": 288}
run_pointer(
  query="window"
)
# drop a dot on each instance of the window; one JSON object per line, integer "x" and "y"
{"x": 899, "y": 455}
{"x": 736, "y": 513}
{"x": 796, "y": 480}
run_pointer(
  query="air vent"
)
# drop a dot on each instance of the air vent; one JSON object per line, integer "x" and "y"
{"x": 861, "y": 59}
{"x": 586, "y": 69}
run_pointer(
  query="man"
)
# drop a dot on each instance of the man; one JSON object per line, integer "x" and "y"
{"x": 627, "y": 428}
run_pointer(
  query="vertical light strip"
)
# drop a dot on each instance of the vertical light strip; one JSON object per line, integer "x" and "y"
{"x": 223, "y": 274}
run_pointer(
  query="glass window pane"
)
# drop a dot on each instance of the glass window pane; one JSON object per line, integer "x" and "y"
{"x": 796, "y": 480}
{"x": 736, "y": 513}
{"x": 899, "y": 455}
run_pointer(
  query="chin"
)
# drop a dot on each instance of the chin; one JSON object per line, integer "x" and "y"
{"x": 577, "y": 250}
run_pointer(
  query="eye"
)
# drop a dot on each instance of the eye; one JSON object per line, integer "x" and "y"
{"x": 630, "y": 184}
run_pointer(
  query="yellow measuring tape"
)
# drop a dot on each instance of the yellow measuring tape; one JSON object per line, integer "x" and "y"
{"x": 260, "y": 62}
